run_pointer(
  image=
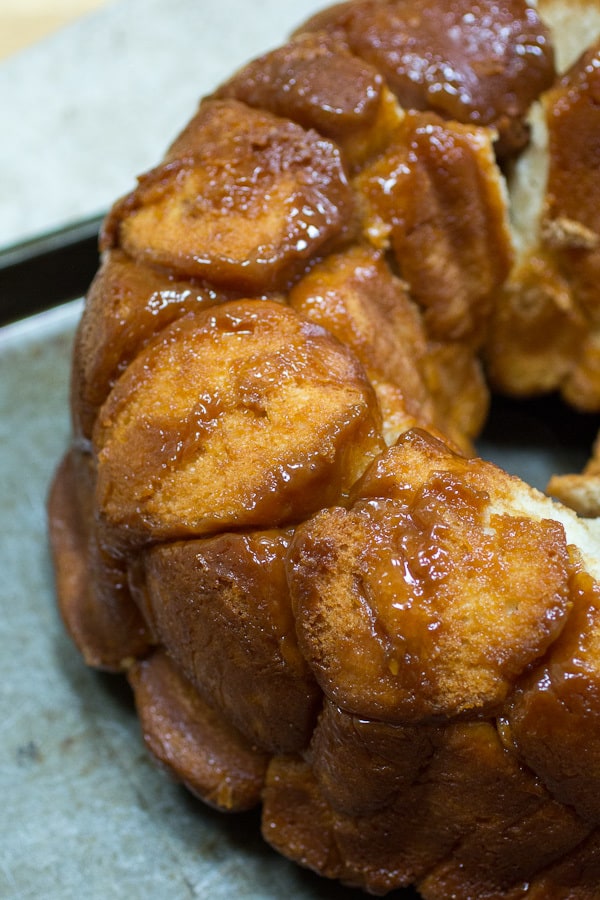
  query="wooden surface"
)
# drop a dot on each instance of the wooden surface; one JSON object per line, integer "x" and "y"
{"x": 24, "y": 22}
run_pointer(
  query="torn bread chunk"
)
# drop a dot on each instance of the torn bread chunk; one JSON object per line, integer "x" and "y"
{"x": 444, "y": 580}
{"x": 574, "y": 25}
{"x": 455, "y": 379}
{"x": 580, "y": 491}
{"x": 545, "y": 328}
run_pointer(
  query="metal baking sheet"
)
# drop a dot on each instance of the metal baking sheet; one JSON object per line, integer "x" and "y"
{"x": 86, "y": 814}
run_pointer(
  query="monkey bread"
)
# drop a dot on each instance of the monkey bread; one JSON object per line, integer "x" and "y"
{"x": 272, "y": 516}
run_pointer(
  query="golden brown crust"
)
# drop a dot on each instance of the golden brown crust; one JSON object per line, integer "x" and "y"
{"x": 313, "y": 80}
{"x": 251, "y": 383}
{"x": 472, "y": 776}
{"x": 571, "y": 225}
{"x": 455, "y": 380}
{"x": 554, "y": 718}
{"x": 536, "y": 330}
{"x": 357, "y": 299}
{"x": 426, "y": 600}
{"x": 192, "y": 740}
{"x": 575, "y": 878}
{"x": 450, "y": 817}
{"x": 221, "y": 608}
{"x": 257, "y": 193}
{"x": 296, "y": 820}
{"x": 436, "y": 200}
{"x": 361, "y": 764}
{"x": 126, "y": 306}
{"x": 91, "y": 583}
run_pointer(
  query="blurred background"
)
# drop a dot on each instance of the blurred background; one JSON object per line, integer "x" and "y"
{"x": 23, "y": 22}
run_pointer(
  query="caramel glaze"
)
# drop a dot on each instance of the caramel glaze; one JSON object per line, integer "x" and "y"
{"x": 483, "y": 64}
{"x": 287, "y": 408}
{"x": 410, "y": 605}
{"x": 243, "y": 199}
{"x": 315, "y": 81}
{"x": 434, "y": 198}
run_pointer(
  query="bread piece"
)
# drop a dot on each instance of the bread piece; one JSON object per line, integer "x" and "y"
{"x": 221, "y": 608}
{"x": 242, "y": 416}
{"x": 296, "y": 820}
{"x": 436, "y": 199}
{"x": 482, "y": 66}
{"x": 355, "y": 296}
{"x": 553, "y": 720}
{"x": 427, "y": 598}
{"x": 192, "y": 740}
{"x": 362, "y": 764}
{"x": 575, "y": 878}
{"x": 315, "y": 81}
{"x": 580, "y": 492}
{"x": 357, "y": 299}
{"x": 444, "y": 824}
{"x": 487, "y": 800}
{"x": 91, "y": 582}
{"x": 257, "y": 193}
{"x": 126, "y": 306}
{"x": 457, "y": 385}
{"x": 574, "y": 24}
